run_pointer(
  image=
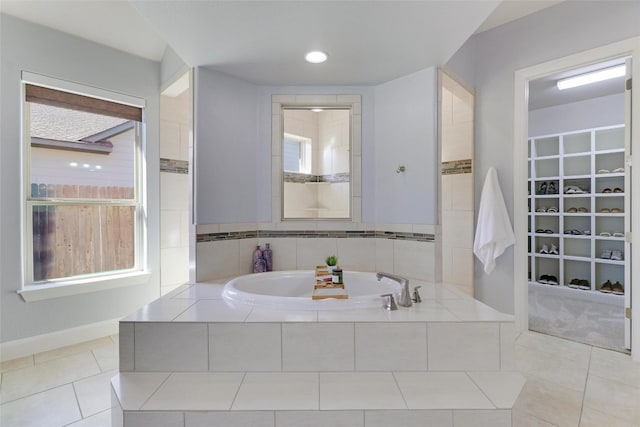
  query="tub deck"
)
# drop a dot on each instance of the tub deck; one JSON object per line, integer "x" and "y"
{"x": 191, "y": 357}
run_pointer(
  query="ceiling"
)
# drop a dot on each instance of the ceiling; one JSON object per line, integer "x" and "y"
{"x": 544, "y": 92}
{"x": 368, "y": 42}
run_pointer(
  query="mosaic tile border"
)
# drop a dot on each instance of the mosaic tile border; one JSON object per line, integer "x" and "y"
{"x": 457, "y": 167}
{"x": 174, "y": 166}
{"x": 301, "y": 178}
{"x": 331, "y": 234}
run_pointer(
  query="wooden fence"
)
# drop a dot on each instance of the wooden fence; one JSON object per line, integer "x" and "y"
{"x": 70, "y": 240}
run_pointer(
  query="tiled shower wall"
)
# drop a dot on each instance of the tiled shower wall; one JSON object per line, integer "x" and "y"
{"x": 457, "y": 216}
{"x": 175, "y": 137}
{"x": 225, "y": 250}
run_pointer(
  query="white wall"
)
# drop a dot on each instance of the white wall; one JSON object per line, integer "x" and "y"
{"x": 25, "y": 46}
{"x": 405, "y": 134}
{"x": 226, "y": 149}
{"x": 596, "y": 112}
{"x": 488, "y": 62}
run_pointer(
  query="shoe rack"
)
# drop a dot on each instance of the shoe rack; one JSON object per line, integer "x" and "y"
{"x": 586, "y": 170}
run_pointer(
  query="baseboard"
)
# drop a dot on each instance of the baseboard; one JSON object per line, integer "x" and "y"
{"x": 27, "y": 346}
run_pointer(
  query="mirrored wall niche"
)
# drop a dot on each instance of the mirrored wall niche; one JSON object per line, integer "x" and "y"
{"x": 316, "y": 157}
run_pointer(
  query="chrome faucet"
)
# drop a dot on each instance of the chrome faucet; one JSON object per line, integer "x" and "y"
{"x": 405, "y": 296}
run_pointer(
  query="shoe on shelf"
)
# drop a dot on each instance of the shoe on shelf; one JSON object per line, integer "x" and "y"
{"x": 605, "y": 254}
{"x": 554, "y": 250}
{"x": 552, "y": 209}
{"x": 552, "y": 280}
{"x": 544, "y": 250}
{"x": 604, "y": 171}
{"x": 543, "y": 279}
{"x": 587, "y": 232}
{"x": 618, "y": 190}
{"x": 541, "y": 209}
{"x": 605, "y": 210}
{"x": 606, "y": 190}
{"x": 583, "y": 210}
{"x": 616, "y": 210}
{"x": 607, "y": 287}
{"x": 618, "y": 170}
{"x": 584, "y": 285}
{"x": 574, "y": 283}
{"x": 572, "y": 210}
{"x": 618, "y": 234}
{"x": 617, "y": 289}
{"x": 543, "y": 188}
{"x": 617, "y": 255}
{"x": 605, "y": 234}
{"x": 551, "y": 189}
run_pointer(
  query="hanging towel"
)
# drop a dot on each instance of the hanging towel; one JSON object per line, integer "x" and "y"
{"x": 493, "y": 231}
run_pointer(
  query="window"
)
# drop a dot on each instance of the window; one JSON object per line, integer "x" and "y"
{"x": 296, "y": 154}
{"x": 83, "y": 198}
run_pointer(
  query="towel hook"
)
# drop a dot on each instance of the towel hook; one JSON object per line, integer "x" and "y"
{"x": 400, "y": 169}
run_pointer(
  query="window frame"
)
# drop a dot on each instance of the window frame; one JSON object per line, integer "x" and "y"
{"x": 35, "y": 290}
{"x": 305, "y": 159}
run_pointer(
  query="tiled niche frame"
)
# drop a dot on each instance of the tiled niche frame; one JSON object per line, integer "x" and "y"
{"x": 354, "y": 102}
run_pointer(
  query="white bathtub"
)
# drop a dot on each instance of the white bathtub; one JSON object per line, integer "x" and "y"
{"x": 292, "y": 290}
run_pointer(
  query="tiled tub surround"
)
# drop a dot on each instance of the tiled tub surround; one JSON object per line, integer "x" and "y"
{"x": 192, "y": 359}
{"x": 225, "y": 250}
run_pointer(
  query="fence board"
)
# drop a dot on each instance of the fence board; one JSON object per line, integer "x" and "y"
{"x": 81, "y": 239}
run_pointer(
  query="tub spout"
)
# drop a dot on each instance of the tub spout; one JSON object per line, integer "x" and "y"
{"x": 405, "y": 296}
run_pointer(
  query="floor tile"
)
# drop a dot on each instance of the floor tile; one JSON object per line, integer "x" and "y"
{"x": 614, "y": 398}
{"x": 71, "y": 350}
{"x": 545, "y": 366}
{"x": 482, "y": 418}
{"x": 359, "y": 390}
{"x": 196, "y": 391}
{"x": 107, "y": 356}
{"x": 46, "y": 375}
{"x": 101, "y": 419}
{"x": 550, "y": 402}
{"x": 52, "y": 408}
{"x": 615, "y": 366}
{"x": 557, "y": 347}
{"x": 595, "y": 418}
{"x": 524, "y": 419}
{"x": 473, "y": 310}
{"x": 94, "y": 393}
{"x": 441, "y": 390}
{"x": 277, "y": 391}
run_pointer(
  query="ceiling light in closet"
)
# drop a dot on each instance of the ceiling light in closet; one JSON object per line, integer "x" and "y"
{"x": 316, "y": 57}
{"x": 592, "y": 77}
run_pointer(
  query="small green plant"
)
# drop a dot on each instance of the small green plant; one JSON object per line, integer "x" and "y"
{"x": 331, "y": 260}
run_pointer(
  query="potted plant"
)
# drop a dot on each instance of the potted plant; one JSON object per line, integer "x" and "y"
{"x": 331, "y": 260}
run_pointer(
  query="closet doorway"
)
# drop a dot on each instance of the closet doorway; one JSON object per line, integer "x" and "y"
{"x": 527, "y": 247}
{"x": 578, "y": 253}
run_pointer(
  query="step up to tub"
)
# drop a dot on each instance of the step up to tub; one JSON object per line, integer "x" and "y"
{"x": 278, "y": 399}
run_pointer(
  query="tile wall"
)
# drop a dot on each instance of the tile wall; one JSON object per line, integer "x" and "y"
{"x": 457, "y": 202}
{"x": 175, "y": 139}
{"x": 225, "y": 250}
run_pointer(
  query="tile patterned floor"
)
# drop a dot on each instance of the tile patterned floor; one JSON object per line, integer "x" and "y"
{"x": 569, "y": 384}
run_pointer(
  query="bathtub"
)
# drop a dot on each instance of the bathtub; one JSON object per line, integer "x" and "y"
{"x": 292, "y": 290}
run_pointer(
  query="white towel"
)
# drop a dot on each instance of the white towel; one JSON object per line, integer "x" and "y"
{"x": 494, "y": 233}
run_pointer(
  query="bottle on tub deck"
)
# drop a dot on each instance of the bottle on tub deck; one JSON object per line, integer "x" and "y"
{"x": 336, "y": 275}
{"x": 268, "y": 257}
{"x": 259, "y": 265}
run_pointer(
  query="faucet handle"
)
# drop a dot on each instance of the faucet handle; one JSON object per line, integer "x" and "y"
{"x": 389, "y": 302}
{"x": 416, "y": 295}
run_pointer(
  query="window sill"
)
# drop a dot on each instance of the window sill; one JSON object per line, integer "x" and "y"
{"x": 77, "y": 287}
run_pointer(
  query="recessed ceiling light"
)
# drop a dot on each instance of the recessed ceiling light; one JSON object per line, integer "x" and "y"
{"x": 593, "y": 77}
{"x": 317, "y": 110}
{"x": 316, "y": 57}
